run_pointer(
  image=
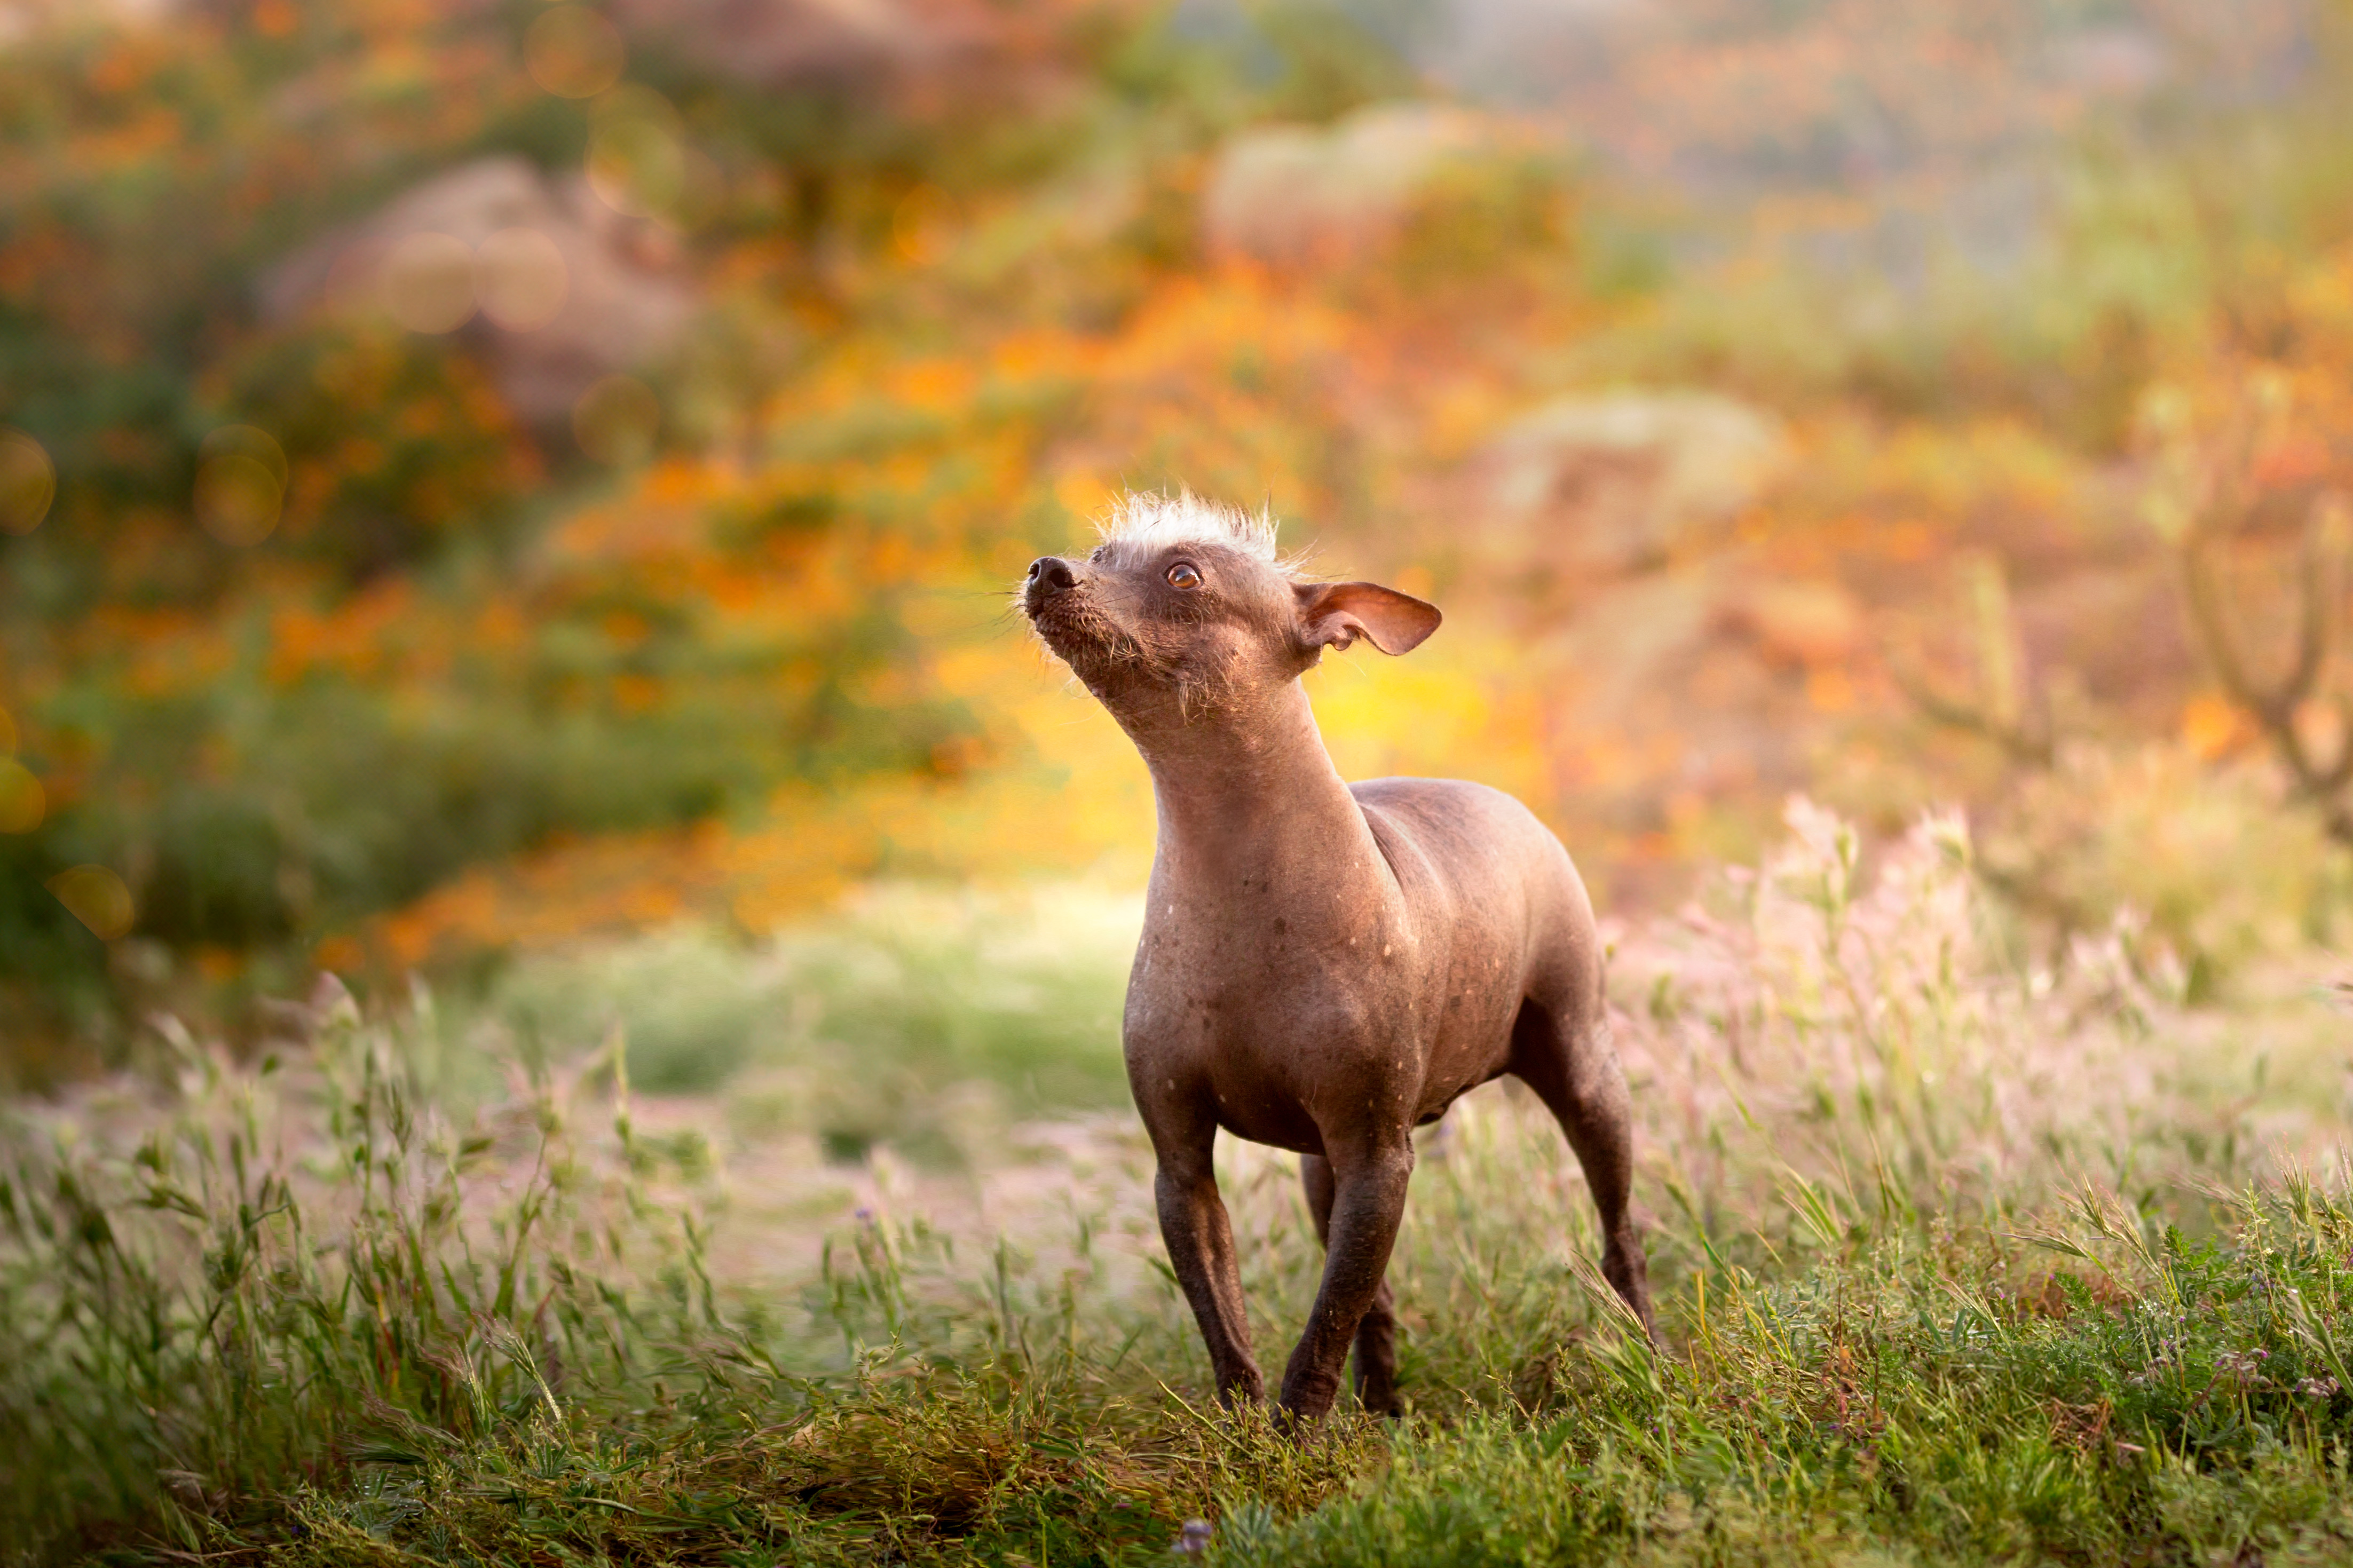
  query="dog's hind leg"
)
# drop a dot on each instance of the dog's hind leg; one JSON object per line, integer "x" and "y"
{"x": 1574, "y": 1070}
{"x": 1377, "y": 1335}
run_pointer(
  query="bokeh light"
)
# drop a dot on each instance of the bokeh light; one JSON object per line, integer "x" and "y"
{"x": 913, "y": 221}
{"x": 427, "y": 282}
{"x": 521, "y": 279}
{"x": 573, "y": 52}
{"x": 96, "y": 896}
{"x": 23, "y": 803}
{"x": 28, "y": 482}
{"x": 240, "y": 485}
{"x": 637, "y": 153}
{"x": 617, "y": 419}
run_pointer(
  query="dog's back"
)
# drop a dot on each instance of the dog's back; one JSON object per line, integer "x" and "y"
{"x": 1499, "y": 914}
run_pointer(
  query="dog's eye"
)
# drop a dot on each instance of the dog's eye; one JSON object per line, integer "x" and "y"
{"x": 1184, "y": 575}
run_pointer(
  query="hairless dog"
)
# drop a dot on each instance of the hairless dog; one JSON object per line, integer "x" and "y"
{"x": 1324, "y": 966}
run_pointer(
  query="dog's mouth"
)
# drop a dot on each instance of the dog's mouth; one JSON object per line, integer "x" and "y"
{"x": 1071, "y": 623}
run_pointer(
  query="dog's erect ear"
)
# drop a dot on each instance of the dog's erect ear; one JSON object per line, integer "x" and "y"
{"x": 1333, "y": 614}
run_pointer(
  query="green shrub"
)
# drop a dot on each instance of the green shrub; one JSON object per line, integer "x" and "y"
{"x": 873, "y": 1027}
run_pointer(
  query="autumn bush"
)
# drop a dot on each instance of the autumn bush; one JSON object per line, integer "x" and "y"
{"x": 336, "y": 648}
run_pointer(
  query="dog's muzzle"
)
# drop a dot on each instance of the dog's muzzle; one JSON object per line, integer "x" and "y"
{"x": 1050, "y": 576}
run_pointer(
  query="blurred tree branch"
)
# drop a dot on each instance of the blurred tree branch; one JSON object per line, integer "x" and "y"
{"x": 2208, "y": 498}
{"x": 2005, "y": 711}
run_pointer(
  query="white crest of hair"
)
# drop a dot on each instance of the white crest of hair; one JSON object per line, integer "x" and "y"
{"x": 1156, "y": 521}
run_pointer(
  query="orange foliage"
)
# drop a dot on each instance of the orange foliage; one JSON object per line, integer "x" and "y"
{"x": 920, "y": 448}
{"x": 1232, "y": 380}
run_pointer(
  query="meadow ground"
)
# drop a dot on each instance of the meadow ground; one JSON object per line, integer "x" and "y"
{"x": 1966, "y": 1253}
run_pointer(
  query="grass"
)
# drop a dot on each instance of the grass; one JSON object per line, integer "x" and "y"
{"x": 872, "y": 1028}
{"x": 1961, "y": 1259}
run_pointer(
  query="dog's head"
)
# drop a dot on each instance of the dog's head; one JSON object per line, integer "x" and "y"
{"x": 1186, "y": 602}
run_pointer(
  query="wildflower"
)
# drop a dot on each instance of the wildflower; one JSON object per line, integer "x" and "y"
{"x": 1946, "y": 832}
{"x": 2161, "y": 1359}
{"x": 1192, "y": 1541}
{"x": 2317, "y": 1387}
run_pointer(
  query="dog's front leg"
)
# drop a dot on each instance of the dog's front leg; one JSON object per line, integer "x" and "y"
{"x": 1200, "y": 1242}
{"x": 1367, "y": 1202}
{"x": 1377, "y": 1335}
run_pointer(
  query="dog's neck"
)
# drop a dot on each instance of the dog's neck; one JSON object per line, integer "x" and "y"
{"x": 1248, "y": 793}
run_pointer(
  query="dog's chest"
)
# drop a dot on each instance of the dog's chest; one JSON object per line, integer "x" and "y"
{"x": 1279, "y": 988}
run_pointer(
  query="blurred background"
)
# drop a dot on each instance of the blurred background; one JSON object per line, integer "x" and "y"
{"x": 516, "y": 503}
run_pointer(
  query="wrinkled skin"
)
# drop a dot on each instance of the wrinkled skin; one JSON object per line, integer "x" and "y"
{"x": 1323, "y": 966}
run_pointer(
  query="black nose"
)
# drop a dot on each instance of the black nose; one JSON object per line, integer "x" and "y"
{"x": 1050, "y": 574}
